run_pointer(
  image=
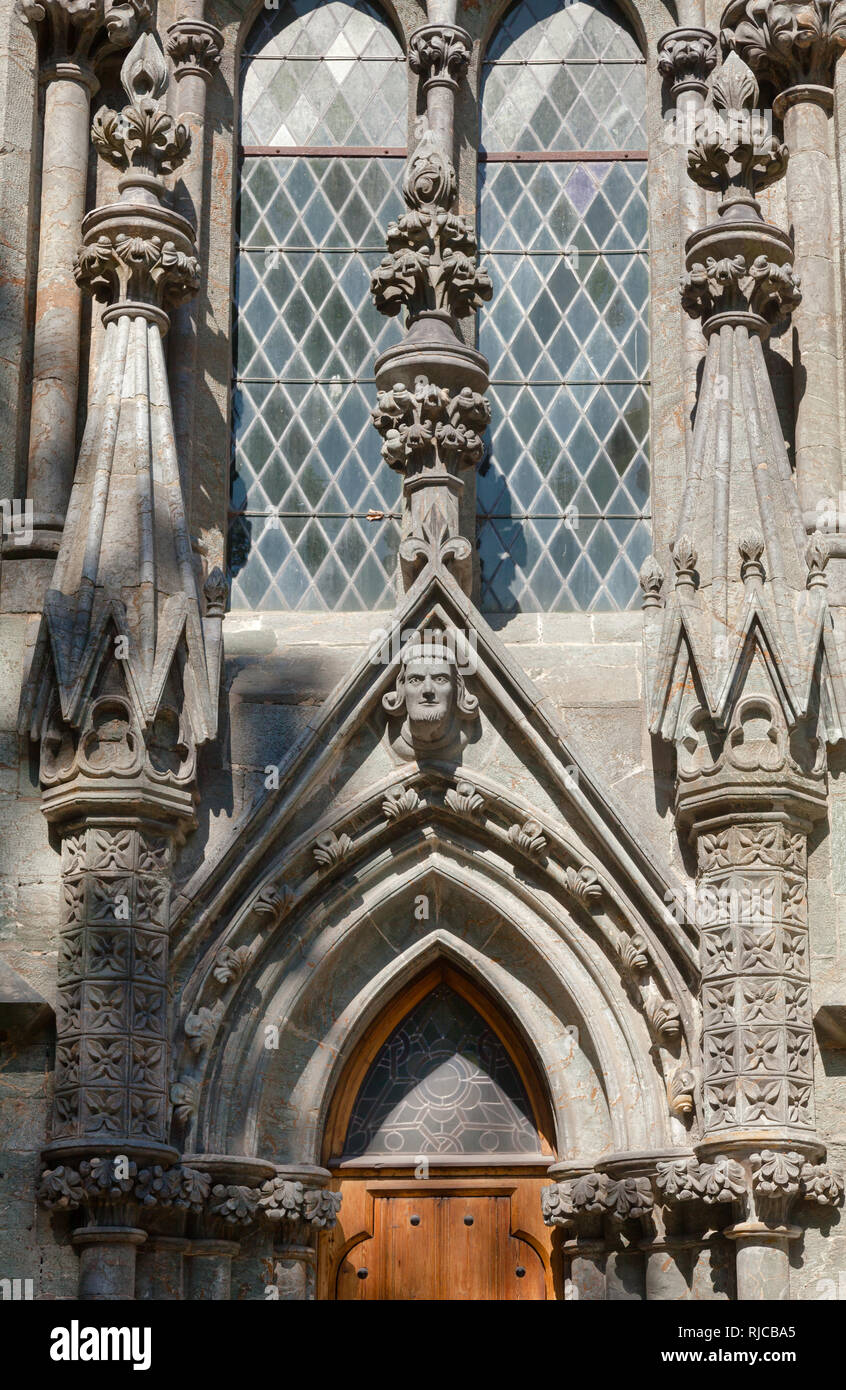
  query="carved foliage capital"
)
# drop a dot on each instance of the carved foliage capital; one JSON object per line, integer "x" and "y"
{"x": 440, "y": 53}
{"x": 117, "y": 266}
{"x": 760, "y": 287}
{"x": 284, "y": 1200}
{"x": 686, "y": 57}
{"x": 194, "y": 48}
{"x": 142, "y": 135}
{"x": 74, "y": 33}
{"x": 787, "y": 41}
{"x": 430, "y": 419}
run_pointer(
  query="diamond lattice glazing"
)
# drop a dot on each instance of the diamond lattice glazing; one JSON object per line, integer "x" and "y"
{"x": 306, "y": 460}
{"x": 563, "y": 497}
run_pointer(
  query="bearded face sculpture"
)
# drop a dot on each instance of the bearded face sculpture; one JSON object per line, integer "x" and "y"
{"x": 431, "y": 693}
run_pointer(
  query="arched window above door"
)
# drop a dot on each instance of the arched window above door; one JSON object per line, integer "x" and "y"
{"x": 442, "y": 1084}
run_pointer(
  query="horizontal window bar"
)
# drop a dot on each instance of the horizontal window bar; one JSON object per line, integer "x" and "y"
{"x": 332, "y": 516}
{"x": 304, "y": 380}
{"x": 569, "y": 250}
{"x": 563, "y": 62}
{"x": 560, "y": 156}
{"x": 323, "y": 151}
{"x": 579, "y": 381}
{"x": 264, "y": 56}
{"x": 480, "y": 516}
{"x": 345, "y": 250}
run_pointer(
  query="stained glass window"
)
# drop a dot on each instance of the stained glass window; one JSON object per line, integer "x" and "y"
{"x": 443, "y": 1083}
{"x": 323, "y": 129}
{"x": 563, "y": 499}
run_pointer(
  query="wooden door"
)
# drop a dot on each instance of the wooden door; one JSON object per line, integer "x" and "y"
{"x": 450, "y": 1245}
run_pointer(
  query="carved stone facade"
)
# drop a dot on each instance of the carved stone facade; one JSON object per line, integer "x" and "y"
{"x": 240, "y": 844}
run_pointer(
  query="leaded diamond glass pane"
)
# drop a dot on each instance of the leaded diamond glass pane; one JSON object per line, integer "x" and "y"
{"x": 564, "y": 77}
{"x": 323, "y": 74}
{"x": 443, "y": 1083}
{"x": 307, "y": 466}
{"x": 563, "y": 495}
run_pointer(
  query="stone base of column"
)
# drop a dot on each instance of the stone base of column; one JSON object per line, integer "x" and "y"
{"x": 107, "y": 1261}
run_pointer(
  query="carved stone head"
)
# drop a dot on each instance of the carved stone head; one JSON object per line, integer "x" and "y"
{"x": 431, "y": 693}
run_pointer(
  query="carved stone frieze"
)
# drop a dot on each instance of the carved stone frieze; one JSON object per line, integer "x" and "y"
{"x": 111, "y": 1051}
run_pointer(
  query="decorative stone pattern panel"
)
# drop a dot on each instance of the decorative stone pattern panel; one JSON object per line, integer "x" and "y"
{"x": 111, "y": 1055}
{"x": 757, "y": 1045}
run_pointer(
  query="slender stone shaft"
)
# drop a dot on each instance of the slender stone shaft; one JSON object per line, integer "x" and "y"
{"x": 160, "y": 1269}
{"x": 210, "y": 1270}
{"x": 194, "y": 48}
{"x": 762, "y": 1263}
{"x": 55, "y": 376}
{"x": 816, "y": 372}
{"x": 587, "y": 1271}
{"x": 107, "y": 1262}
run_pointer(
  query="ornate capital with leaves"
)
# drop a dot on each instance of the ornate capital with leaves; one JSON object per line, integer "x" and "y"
{"x": 440, "y": 53}
{"x": 76, "y": 33}
{"x": 788, "y": 42}
{"x": 194, "y": 48}
{"x": 142, "y": 136}
{"x": 734, "y": 151}
{"x": 686, "y": 57}
{"x": 771, "y": 291}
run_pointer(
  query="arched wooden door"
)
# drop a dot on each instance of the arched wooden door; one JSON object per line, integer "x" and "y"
{"x": 438, "y": 1138}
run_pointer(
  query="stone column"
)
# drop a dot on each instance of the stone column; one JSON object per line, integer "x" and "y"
{"x": 194, "y": 48}
{"x": 229, "y": 1213}
{"x": 431, "y": 410}
{"x": 298, "y": 1204}
{"x": 70, "y": 37}
{"x": 794, "y": 45}
{"x": 577, "y": 1206}
{"x": 121, "y": 692}
{"x": 686, "y": 57}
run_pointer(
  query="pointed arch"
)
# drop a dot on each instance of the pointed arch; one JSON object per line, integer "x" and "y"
{"x": 348, "y": 1089}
